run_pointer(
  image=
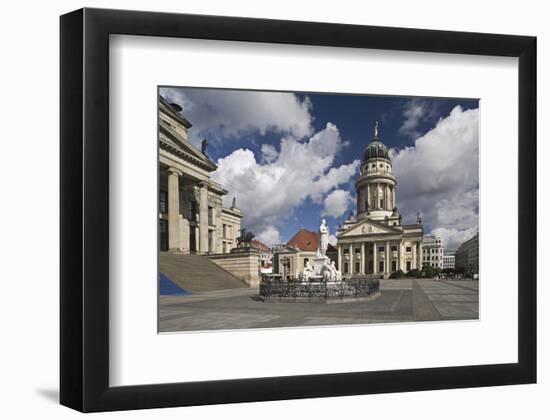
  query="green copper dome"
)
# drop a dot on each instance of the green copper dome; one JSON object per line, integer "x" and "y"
{"x": 376, "y": 149}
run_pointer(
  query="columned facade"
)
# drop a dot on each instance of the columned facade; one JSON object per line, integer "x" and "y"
{"x": 383, "y": 243}
{"x": 192, "y": 218}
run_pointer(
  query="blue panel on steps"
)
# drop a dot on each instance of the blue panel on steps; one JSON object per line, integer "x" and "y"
{"x": 168, "y": 287}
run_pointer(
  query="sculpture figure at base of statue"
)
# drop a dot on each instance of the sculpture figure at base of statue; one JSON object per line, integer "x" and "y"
{"x": 308, "y": 272}
{"x": 330, "y": 273}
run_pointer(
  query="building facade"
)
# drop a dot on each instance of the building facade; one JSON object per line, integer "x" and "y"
{"x": 449, "y": 262}
{"x": 432, "y": 251}
{"x": 192, "y": 218}
{"x": 376, "y": 242}
{"x": 467, "y": 256}
{"x": 290, "y": 259}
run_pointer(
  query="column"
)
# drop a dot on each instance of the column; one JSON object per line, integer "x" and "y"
{"x": 374, "y": 259}
{"x": 419, "y": 256}
{"x": 399, "y": 254}
{"x": 173, "y": 209}
{"x": 387, "y": 196}
{"x": 203, "y": 217}
{"x": 414, "y": 262}
{"x": 393, "y": 199}
{"x": 363, "y": 258}
{"x": 350, "y": 258}
{"x": 387, "y": 263}
{"x": 340, "y": 258}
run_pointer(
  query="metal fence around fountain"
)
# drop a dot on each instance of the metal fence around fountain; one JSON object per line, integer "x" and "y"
{"x": 294, "y": 290}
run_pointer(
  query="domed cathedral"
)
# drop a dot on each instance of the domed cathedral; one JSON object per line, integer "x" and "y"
{"x": 375, "y": 242}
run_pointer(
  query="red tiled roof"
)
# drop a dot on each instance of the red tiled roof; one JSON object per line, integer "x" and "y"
{"x": 304, "y": 239}
{"x": 260, "y": 245}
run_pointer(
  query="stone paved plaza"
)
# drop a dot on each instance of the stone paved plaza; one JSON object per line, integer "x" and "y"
{"x": 403, "y": 300}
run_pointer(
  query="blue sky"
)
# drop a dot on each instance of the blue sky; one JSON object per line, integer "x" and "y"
{"x": 292, "y": 158}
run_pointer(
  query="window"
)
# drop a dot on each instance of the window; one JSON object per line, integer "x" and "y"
{"x": 394, "y": 248}
{"x": 357, "y": 250}
{"x": 381, "y": 266}
{"x": 409, "y": 249}
{"x": 224, "y": 230}
{"x": 210, "y": 241}
{"x": 394, "y": 266}
{"x": 210, "y": 216}
{"x": 408, "y": 266}
{"x": 380, "y": 249}
{"x": 346, "y": 251}
{"x": 357, "y": 268}
{"x": 346, "y": 268}
{"x": 163, "y": 205}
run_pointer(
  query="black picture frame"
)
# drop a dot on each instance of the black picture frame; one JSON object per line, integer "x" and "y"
{"x": 84, "y": 235}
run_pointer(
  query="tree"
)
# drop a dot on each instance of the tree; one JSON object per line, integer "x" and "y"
{"x": 430, "y": 272}
{"x": 399, "y": 274}
{"x": 414, "y": 273}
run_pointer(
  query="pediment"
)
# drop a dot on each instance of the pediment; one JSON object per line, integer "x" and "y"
{"x": 369, "y": 227}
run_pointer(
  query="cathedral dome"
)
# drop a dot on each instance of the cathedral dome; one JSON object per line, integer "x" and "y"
{"x": 376, "y": 149}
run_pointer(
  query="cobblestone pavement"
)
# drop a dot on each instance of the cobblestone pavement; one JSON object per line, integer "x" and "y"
{"x": 403, "y": 300}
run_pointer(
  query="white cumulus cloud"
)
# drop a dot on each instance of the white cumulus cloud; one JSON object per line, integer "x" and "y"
{"x": 217, "y": 113}
{"x": 439, "y": 176}
{"x": 270, "y": 236}
{"x": 268, "y": 192}
{"x": 452, "y": 238}
{"x": 269, "y": 152}
{"x": 415, "y": 111}
{"x": 336, "y": 203}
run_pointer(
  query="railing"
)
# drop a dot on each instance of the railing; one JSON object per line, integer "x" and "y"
{"x": 294, "y": 290}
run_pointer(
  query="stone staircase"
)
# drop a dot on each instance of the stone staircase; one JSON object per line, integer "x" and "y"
{"x": 196, "y": 273}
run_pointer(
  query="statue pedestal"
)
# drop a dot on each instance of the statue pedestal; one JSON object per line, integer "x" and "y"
{"x": 318, "y": 263}
{"x": 243, "y": 263}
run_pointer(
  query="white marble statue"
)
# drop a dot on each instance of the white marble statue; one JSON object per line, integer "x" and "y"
{"x": 326, "y": 272}
{"x": 308, "y": 271}
{"x": 337, "y": 274}
{"x": 323, "y": 231}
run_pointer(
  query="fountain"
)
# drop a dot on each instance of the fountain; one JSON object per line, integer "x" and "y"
{"x": 320, "y": 281}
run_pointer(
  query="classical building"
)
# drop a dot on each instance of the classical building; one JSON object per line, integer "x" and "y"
{"x": 432, "y": 251}
{"x": 467, "y": 256}
{"x": 290, "y": 259}
{"x": 376, "y": 242}
{"x": 449, "y": 261}
{"x": 191, "y": 216}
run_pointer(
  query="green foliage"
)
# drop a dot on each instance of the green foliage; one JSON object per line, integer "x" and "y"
{"x": 430, "y": 272}
{"x": 414, "y": 273}
{"x": 399, "y": 274}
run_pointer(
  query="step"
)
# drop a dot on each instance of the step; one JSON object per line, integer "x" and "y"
{"x": 196, "y": 273}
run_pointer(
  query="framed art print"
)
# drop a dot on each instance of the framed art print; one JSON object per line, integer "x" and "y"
{"x": 256, "y": 209}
